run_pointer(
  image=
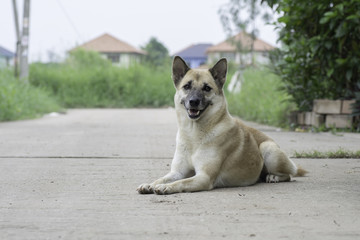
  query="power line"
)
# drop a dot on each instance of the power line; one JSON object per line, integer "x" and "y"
{"x": 69, "y": 19}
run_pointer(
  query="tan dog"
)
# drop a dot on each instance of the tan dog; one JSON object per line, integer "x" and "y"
{"x": 214, "y": 149}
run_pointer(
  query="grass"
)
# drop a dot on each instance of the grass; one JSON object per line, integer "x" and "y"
{"x": 339, "y": 153}
{"x": 96, "y": 83}
{"x": 86, "y": 80}
{"x": 20, "y": 100}
{"x": 80, "y": 82}
{"x": 260, "y": 99}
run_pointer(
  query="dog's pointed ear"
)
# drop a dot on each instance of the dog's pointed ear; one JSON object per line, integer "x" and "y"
{"x": 218, "y": 71}
{"x": 179, "y": 69}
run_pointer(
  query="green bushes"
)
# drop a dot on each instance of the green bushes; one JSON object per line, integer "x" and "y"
{"x": 321, "y": 56}
{"x": 80, "y": 82}
{"x": 260, "y": 99}
{"x": 88, "y": 80}
{"x": 19, "y": 100}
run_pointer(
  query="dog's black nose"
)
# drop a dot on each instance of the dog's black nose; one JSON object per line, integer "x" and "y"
{"x": 194, "y": 102}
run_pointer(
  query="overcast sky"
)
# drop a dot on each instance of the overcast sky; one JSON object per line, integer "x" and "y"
{"x": 59, "y": 25}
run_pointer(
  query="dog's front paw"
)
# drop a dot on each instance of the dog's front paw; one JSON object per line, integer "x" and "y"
{"x": 163, "y": 189}
{"x": 145, "y": 189}
{"x": 272, "y": 178}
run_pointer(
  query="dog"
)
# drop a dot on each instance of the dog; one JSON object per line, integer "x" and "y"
{"x": 214, "y": 149}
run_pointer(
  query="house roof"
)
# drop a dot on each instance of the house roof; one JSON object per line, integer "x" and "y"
{"x": 6, "y": 53}
{"x": 109, "y": 44}
{"x": 245, "y": 39}
{"x": 194, "y": 51}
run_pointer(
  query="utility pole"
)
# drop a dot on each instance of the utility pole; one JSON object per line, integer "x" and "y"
{"x": 24, "y": 65}
{"x": 22, "y": 41}
{"x": 18, "y": 42}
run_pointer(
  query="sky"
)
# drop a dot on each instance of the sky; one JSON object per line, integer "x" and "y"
{"x": 59, "y": 25}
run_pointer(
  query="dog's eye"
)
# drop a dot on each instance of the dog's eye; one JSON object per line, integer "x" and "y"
{"x": 187, "y": 86}
{"x": 207, "y": 88}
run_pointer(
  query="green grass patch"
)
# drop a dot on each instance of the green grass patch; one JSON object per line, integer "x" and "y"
{"x": 260, "y": 99}
{"x": 20, "y": 100}
{"x": 339, "y": 153}
{"x": 87, "y": 80}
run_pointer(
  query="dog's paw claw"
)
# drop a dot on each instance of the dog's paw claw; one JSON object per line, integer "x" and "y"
{"x": 145, "y": 189}
{"x": 162, "y": 189}
{"x": 272, "y": 178}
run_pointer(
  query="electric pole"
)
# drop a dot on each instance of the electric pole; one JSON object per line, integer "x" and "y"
{"x": 24, "y": 65}
{"x": 22, "y": 43}
{"x": 18, "y": 42}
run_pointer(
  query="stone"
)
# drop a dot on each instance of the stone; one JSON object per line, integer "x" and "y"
{"x": 317, "y": 119}
{"x": 301, "y": 118}
{"x": 325, "y": 106}
{"x": 346, "y": 106}
{"x": 339, "y": 121}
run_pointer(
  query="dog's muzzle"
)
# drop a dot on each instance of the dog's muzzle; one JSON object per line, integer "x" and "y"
{"x": 194, "y": 107}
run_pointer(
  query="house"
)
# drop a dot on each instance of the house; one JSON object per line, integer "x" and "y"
{"x": 117, "y": 51}
{"x": 228, "y": 50}
{"x": 6, "y": 57}
{"x": 194, "y": 55}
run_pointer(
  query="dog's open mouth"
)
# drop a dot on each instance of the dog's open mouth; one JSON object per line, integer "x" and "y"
{"x": 194, "y": 113}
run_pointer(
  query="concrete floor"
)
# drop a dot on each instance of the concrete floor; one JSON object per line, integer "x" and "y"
{"x": 74, "y": 176}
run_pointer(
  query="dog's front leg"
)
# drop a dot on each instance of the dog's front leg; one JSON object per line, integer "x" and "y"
{"x": 180, "y": 169}
{"x": 199, "y": 182}
{"x": 168, "y": 178}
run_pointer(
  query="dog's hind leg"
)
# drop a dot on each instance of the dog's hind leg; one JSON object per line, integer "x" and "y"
{"x": 279, "y": 168}
{"x": 270, "y": 178}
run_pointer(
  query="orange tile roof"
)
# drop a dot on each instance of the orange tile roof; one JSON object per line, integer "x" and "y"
{"x": 109, "y": 44}
{"x": 245, "y": 39}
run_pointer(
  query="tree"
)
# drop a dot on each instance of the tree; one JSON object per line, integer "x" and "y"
{"x": 321, "y": 53}
{"x": 239, "y": 16}
{"x": 157, "y": 53}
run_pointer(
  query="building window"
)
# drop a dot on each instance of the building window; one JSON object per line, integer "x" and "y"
{"x": 113, "y": 57}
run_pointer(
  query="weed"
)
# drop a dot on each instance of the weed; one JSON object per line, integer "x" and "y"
{"x": 97, "y": 83}
{"x": 260, "y": 99}
{"x": 339, "y": 153}
{"x": 20, "y": 100}
{"x": 87, "y": 80}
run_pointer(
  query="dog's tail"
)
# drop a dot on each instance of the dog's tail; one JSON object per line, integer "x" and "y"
{"x": 300, "y": 172}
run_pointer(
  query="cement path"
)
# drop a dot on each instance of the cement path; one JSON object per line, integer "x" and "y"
{"x": 74, "y": 176}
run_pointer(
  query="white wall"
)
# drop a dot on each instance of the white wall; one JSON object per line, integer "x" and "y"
{"x": 260, "y": 57}
{"x": 125, "y": 59}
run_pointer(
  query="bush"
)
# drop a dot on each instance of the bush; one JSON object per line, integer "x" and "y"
{"x": 88, "y": 80}
{"x": 260, "y": 99}
{"x": 20, "y": 100}
{"x": 80, "y": 82}
{"x": 85, "y": 79}
{"x": 322, "y": 49}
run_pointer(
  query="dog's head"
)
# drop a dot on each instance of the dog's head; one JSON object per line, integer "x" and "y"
{"x": 197, "y": 90}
